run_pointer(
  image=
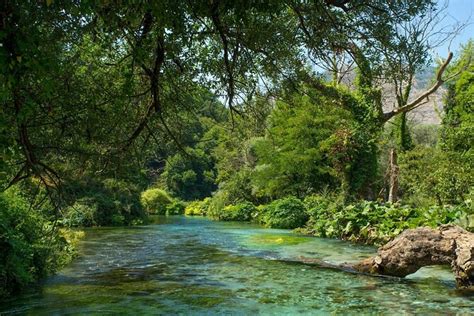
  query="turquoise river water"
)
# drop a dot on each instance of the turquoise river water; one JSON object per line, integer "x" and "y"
{"x": 183, "y": 265}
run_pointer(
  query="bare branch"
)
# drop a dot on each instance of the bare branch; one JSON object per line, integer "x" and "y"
{"x": 415, "y": 103}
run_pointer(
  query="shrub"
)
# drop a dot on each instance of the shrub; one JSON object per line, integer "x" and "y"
{"x": 30, "y": 246}
{"x": 118, "y": 203}
{"x": 117, "y": 220}
{"x": 317, "y": 203}
{"x": 189, "y": 176}
{"x": 175, "y": 208}
{"x": 81, "y": 213}
{"x": 155, "y": 201}
{"x": 239, "y": 212}
{"x": 289, "y": 212}
{"x": 217, "y": 204}
{"x": 197, "y": 207}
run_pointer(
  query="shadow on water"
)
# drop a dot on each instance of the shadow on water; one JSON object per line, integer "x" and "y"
{"x": 196, "y": 266}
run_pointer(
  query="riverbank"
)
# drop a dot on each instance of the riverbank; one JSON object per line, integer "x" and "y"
{"x": 32, "y": 246}
{"x": 365, "y": 222}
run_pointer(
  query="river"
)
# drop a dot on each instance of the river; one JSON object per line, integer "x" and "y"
{"x": 182, "y": 265}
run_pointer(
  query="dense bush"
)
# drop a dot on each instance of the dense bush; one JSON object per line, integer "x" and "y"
{"x": 458, "y": 120}
{"x": 327, "y": 200}
{"x": 239, "y": 212}
{"x": 155, "y": 201}
{"x": 238, "y": 186}
{"x": 197, "y": 207}
{"x": 30, "y": 246}
{"x": 175, "y": 208}
{"x": 289, "y": 212}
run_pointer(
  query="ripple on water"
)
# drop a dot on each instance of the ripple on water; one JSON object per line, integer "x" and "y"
{"x": 195, "y": 266}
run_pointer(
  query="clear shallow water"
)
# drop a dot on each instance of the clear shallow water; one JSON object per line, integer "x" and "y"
{"x": 196, "y": 266}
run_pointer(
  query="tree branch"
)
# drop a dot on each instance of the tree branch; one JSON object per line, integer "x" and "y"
{"x": 417, "y": 102}
{"x": 229, "y": 65}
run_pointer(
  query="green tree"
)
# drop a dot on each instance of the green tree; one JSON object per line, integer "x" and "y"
{"x": 314, "y": 142}
{"x": 190, "y": 176}
{"x": 443, "y": 175}
{"x": 458, "y": 121}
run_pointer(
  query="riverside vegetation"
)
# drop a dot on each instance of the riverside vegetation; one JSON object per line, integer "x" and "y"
{"x": 111, "y": 113}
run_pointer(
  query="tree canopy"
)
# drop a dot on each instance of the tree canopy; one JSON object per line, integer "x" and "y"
{"x": 97, "y": 80}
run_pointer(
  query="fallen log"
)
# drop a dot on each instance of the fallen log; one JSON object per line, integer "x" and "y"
{"x": 412, "y": 250}
{"x": 423, "y": 246}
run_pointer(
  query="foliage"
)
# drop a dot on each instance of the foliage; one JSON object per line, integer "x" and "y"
{"x": 217, "y": 203}
{"x": 155, "y": 201}
{"x": 402, "y": 133}
{"x": 175, "y": 208}
{"x": 425, "y": 135}
{"x": 189, "y": 176}
{"x": 234, "y": 152}
{"x": 100, "y": 99}
{"x": 314, "y": 142}
{"x": 372, "y": 222}
{"x": 197, "y": 207}
{"x": 430, "y": 175}
{"x": 240, "y": 212}
{"x": 239, "y": 186}
{"x": 458, "y": 121}
{"x": 31, "y": 247}
{"x": 140, "y": 93}
{"x": 109, "y": 202}
{"x": 81, "y": 213}
{"x": 288, "y": 212}
{"x": 466, "y": 218}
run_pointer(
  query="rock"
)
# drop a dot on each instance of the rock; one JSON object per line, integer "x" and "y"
{"x": 416, "y": 248}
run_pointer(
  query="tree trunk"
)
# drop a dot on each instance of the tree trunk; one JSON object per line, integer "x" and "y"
{"x": 404, "y": 139}
{"x": 416, "y": 248}
{"x": 394, "y": 172}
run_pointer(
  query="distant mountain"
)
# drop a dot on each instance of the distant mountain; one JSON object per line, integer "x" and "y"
{"x": 429, "y": 113}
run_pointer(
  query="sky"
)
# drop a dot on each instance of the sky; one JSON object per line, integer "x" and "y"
{"x": 458, "y": 11}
